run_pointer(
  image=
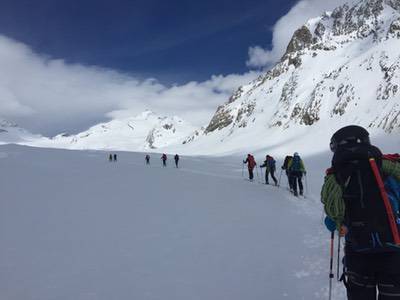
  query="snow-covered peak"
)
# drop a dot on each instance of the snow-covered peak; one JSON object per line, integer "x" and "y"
{"x": 145, "y": 115}
{"x": 10, "y": 132}
{"x": 146, "y": 131}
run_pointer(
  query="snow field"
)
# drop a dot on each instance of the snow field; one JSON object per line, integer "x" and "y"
{"x": 75, "y": 226}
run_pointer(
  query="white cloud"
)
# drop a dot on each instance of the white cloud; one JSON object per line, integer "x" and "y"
{"x": 51, "y": 96}
{"x": 193, "y": 101}
{"x": 285, "y": 27}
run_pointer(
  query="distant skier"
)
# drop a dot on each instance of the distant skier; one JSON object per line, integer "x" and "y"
{"x": 147, "y": 158}
{"x": 110, "y": 157}
{"x": 164, "y": 159}
{"x": 251, "y": 163}
{"x": 176, "y": 158}
{"x": 269, "y": 165}
{"x": 285, "y": 167}
{"x": 115, "y": 157}
{"x": 296, "y": 171}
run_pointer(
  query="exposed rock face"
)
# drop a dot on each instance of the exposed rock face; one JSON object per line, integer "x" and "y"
{"x": 194, "y": 136}
{"x": 394, "y": 30}
{"x": 320, "y": 30}
{"x": 343, "y": 66}
{"x": 302, "y": 39}
{"x": 150, "y": 139}
{"x": 222, "y": 118}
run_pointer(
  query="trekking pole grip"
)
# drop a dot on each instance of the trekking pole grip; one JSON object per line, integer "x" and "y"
{"x": 331, "y": 255}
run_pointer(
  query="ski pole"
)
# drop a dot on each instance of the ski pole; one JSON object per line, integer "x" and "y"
{"x": 331, "y": 265}
{"x": 280, "y": 176}
{"x": 258, "y": 177}
{"x": 288, "y": 183}
{"x": 305, "y": 179}
{"x": 338, "y": 257}
{"x": 265, "y": 175}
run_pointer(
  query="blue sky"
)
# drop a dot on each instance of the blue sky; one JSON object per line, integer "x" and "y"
{"x": 172, "y": 40}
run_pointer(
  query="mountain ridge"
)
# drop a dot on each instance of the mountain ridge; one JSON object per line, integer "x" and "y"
{"x": 318, "y": 78}
{"x": 145, "y": 132}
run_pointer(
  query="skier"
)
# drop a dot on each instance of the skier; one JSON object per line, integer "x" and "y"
{"x": 354, "y": 201}
{"x": 251, "y": 163}
{"x": 147, "y": 158}
{"x": 110, "y": 157}
{"x": 115, "y": 157}
{"x": 164, "y": 159}
{"x": 296, "y": 171}
{"x": 269, "y": 165}
{"x": 176, "y": 158}
{"x": 285, "y": 167}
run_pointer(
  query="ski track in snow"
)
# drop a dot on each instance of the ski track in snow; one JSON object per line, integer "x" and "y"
{"x": 75, "y": 226}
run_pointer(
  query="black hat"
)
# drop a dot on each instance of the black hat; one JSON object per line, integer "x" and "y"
{"x": 349, "y": 135}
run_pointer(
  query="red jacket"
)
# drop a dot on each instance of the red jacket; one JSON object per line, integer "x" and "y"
{"x": 250, "y": 161}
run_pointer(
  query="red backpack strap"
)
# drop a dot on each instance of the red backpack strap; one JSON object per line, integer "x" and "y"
{"x": 395, "y": 157}
{"x": 329, "y": 171}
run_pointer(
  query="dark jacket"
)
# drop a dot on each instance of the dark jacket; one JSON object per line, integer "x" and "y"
{"x": 269, "y": 163}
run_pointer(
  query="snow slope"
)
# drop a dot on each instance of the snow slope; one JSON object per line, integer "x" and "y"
{"x": 84, "y": 228}
{"x": 75, "y": 226}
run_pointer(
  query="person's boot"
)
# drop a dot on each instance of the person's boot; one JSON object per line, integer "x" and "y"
{"x": 301, "y": 192}
{"x": 295, "y": 193}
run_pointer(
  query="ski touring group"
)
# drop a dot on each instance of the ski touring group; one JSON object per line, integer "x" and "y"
{"x": 293, "y": 166}
{"x": 112, "y": 157}
{"x": 361, "y": 199}
{"x": 164, "y": 158}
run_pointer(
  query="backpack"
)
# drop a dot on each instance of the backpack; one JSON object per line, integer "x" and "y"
{"x": 296, "y": 164}
{"x": 251, "y": 161}
{"x": 392, "y": 188}
{"x": 286, "y": 162}
{"x": 372, "y": 221}
{"x": 271, "y": 163}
